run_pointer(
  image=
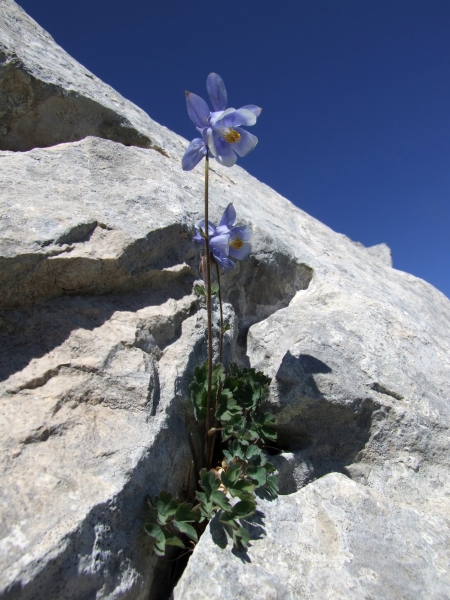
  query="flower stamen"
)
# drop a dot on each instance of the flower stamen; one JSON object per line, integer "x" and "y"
{"x": 237, "y": 243}
{"x": 230, "y": 135}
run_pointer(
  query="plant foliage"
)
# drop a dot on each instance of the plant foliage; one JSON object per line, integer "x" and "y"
{"x": 228, "y": 491}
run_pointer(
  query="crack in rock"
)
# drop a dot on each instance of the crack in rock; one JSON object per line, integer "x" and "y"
{"x": 92, "y": 259}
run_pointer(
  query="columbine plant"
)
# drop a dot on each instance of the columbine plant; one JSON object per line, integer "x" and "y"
{"x": 226, "y": 400}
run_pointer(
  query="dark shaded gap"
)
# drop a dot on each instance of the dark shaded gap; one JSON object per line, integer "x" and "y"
{"x": 260, "y": 286}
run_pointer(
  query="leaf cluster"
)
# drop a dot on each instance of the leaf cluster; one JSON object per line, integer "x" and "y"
{"x": 236, "y": 397}
{"x": 238, "y": 406}
{"x": 172, "y": 521}
{"x": 199, "y": 387}
{"x": 200, "y": 289}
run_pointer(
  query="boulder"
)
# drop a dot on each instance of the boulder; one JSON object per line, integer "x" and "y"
{"x": 332, "y": 539}
{"x": 100, "y": 334}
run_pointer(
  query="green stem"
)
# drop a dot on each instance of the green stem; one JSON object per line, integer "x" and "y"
{"x": 208, "y": 309}
{"x": 221, "y": 312}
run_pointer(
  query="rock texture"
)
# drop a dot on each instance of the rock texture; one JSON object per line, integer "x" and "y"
{"x": 332, "y": 539}
{"x": 100, "y": 333}
{"x": 47, "y": 97}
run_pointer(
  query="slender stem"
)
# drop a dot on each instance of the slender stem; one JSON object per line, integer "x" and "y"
{"x": 221, "y": 312}
{"x": 208, "y": 308}
{"x": 194, "y": 455}
{"x": 188, "y": 486}
{"x": 211, "y": 442}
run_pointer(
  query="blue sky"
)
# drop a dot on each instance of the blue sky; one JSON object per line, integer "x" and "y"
{"x": 355, "y": 128}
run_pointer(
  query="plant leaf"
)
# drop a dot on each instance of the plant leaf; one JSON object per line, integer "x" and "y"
{"x": 184, "y": 527}
{"x": 165, "y": 506}
{"x": 200, "y": 290}
{"x": 184, "y": 513}
{"x": 258, "y": 475}
{"x": 209, "y": 482}
{"x": 162, "y": 538}
{"x": 228, "y": 407}
{"x": 272, "y": 485}
{"x": 155, "y": 531}
{"x": 231, "y": 476}
{"x": 221, "y": 500}
{"x": 243, "y": 508}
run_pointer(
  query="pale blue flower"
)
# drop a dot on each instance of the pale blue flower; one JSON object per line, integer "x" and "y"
{"x": 221, "y": 129}
{"x": 226, "y": 240}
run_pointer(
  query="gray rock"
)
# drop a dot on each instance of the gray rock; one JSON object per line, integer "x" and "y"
{"x": 95, "y": 386}
{"x": 333, "y": 539}
{"x": 47, "y": 97}
{"x": 100, "y": 334}
{"x": 382, "y": 252}
{"x": 361, "y": 384}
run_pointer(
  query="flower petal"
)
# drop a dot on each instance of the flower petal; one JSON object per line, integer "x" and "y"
{"x": 201, "y": 225}
{"x": 221, "y": 150}
{"x": 217, "y": 92}
{"x": 194, "y": 154}
{"x": 219, "y": 115}
{"x": 255, "y": 109}
{"x": 243, "y": 232}
{"x": 246, "y": 144}
{"x": 238, "y": 117}
{"x": 219, "y": 243}
{"x": 223, "y": 260}
{"x": 198, "y": 110}
{"x": 227, "y": 220}
{"x": 240, "y": 253}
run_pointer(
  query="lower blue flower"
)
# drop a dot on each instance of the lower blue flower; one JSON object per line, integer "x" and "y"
{"x": 225, "y": 240}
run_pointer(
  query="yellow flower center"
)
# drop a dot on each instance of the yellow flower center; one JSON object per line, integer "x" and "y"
{"x": 230, "y": 135}
{"x": 237, "y": 243}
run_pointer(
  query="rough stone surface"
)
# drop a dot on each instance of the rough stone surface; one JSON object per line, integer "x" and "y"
{"x": 85, "y": 420}
{"x": 100, "y": 333}
{"x": 332, "y": 539}
{"x": 47, "y": 97}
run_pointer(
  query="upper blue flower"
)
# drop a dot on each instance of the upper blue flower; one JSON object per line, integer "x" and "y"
{"x": 226, "y": 240}
{"x": 221, "y": 129}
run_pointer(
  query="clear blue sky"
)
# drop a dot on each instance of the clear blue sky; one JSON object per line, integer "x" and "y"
{"x": 355, "y": 127}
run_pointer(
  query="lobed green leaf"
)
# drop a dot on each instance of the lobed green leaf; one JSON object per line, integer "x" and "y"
{"x": 209, "y": 482}
{"x": 200, "y": 290}
{"x": 162, "y": 538}
{"x": 258, "y": 475}
{"x": 187, "y": 529}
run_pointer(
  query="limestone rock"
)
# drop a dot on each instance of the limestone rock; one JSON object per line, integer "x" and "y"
{"x": 85, "y": 421}
{"x": 382, "y": 252}
{"x": 100, "y": 333}
{"x": 47, "y": 97}
{"x": 333, "y": 539}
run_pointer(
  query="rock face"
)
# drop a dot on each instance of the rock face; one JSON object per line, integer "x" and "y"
{"x": 100, "y": 333}
{"x": 332, "y": 539}
{"x": 47, "y": 97}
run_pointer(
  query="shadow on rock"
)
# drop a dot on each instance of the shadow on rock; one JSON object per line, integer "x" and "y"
{"x": 318, "y": 433}
{"x": 33, "y": 331}
{"x": 260, "y": 286}
{"x": 253, "y": 524}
